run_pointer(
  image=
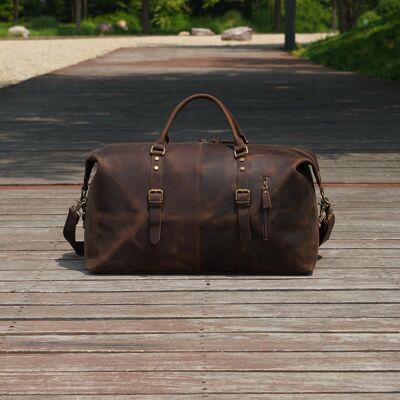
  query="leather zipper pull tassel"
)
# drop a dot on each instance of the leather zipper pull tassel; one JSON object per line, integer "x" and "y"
{"x": 266, "y": 205}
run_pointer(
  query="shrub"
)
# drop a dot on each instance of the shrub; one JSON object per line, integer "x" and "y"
{"x": 388, "y": 7}
{"x": 262, "y": 20}
{"x": 43, "y": 22}
{"x": 166, "y": 13}
{"x": 374, "y": 50}
{"x": 367, "y": 19}
{"x": 312, "y": 16}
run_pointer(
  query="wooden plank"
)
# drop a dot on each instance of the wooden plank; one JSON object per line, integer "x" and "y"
{"x": 37, "y": 286}
{"x": 65, "y": 255}
{"x": 359, "y": 233}
{"x": 201, "y": 310}
{"x": 219, "y": 396}
{"x": 184, "y": 285}
{"x": 203, "y": 324}
{"x": 210, "y": 297}
{"x": 78, "y": 263}
{"x": 63, "y": 274}
{"x": 62, "y": 245}
{"x": 204, "y": 361}
{"x": 192, "y": 382}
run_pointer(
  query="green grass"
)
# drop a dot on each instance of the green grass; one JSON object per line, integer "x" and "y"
{"x": 373, "y": 50}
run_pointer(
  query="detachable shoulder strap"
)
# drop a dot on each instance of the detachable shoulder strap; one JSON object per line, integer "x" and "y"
{"x": 77, "y": 211}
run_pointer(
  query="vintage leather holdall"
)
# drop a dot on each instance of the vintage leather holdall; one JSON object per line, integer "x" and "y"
{"x": 207, "y": 207}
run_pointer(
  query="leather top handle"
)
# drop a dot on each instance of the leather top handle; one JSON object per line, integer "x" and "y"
{"x": 239, "y": 138}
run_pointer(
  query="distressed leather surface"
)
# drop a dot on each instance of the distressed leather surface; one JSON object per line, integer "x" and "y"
{"x": 199, "y": 229}
{"x": 205, "y": 207}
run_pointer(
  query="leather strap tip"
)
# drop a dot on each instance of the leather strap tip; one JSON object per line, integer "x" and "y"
{"x": 325, "y": 228}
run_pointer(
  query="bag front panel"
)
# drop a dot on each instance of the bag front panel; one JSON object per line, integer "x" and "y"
{"x": 199, "y": 229}
{"x": 117, "y": 222}
{"x": 284, "y": 237}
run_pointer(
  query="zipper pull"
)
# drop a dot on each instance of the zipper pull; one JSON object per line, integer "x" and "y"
{"x": 266, "y": 198}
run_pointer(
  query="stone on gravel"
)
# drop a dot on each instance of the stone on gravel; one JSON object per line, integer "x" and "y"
{"x": 105, "y": 27}
{"x": 184, "y": 33}
{"x": 122, "y": 24}
{"x": 18, "y": 30}
{"x": 237, "y": 33}
{"x": 202, "y": 32}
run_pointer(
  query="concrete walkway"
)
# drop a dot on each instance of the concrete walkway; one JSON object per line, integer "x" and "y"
{"x": 48, "y": 124}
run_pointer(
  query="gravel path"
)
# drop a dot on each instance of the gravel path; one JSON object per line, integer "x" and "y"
{"x": 24, "y": 59}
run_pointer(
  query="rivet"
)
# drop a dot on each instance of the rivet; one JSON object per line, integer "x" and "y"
{"x": 242, "y": 168}
{"x": 156, "y": 167}
{"x": 241, "y": 159}
{"x": 156, "y": 158}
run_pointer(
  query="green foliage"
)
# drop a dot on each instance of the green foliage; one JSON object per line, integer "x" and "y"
{"x": 373, "y": 50}
{"x": 387, "y": 7}
{"x": 6, "y": 10}
{"x": 43, "y": 22}
{"x": 367, "y": 19}
{"x": 172, "y": 16}
{"x": 166, "y": 12}
{"x": 312, "y": 16}
{"x": 262, "y": 16}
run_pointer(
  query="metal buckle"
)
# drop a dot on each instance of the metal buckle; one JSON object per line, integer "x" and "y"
{"x": 153, "y": 150}
{"x": 155, "y": 191}
{"x": 241, "y": 153}
{"x": 242, "y": 191}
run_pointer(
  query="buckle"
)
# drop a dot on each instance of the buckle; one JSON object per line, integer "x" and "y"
{"x": 154, "y": 150}
{"x": 239, "y": 199}
{"x": 241, "y": 152}
{"x": 159, "y": 193}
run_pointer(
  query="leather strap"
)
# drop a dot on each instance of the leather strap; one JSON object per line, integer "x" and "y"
{"x": 243, "y": 201}
{"x": 326, "y": 217}
{"x": 70, "y": 231}
{"x": 155, "y": 198}
{"x": 239, "y": 138}
{"x": 74, "y": 215}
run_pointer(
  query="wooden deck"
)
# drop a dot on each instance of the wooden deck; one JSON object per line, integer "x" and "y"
{"x": 65, "y": 334}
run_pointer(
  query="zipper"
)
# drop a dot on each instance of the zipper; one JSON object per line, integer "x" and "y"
{"x": 218, "y": 141}
{"x": 266, "y": 205}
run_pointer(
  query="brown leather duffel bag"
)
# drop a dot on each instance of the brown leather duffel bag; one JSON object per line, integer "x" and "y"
{"x": 205, "y": 207}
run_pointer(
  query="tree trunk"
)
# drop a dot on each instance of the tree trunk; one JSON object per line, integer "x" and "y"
{"x": 15, "y": 11}
{"x": 290, "y": 22}
{"x": 277, "y": 15}
{"x": 346, "y": 14}
{"x": 78, "y": 14}
{"x": 85, "y": 9}
{"x": 334, "y": 14}
{"x": 145, "y": 16}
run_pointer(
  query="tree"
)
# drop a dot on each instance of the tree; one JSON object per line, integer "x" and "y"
{"x": 290, "y": 19}
{"x": 15, "y": 11}
{"x": 85, "y": 9}
{"x": 78, "y": 14}
{"x": 277, "y": 15}
{"x": 346, "y": 14}
{"x": 334, "y": 13}
{"x": 145, "y": 16}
